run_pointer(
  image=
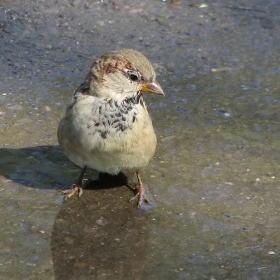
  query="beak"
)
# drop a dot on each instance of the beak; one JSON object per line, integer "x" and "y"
{"x": 153, "y": 87}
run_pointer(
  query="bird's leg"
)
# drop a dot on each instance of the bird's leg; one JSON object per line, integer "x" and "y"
{"x": 78, "y": 187}
{"x": 140, "y": 192}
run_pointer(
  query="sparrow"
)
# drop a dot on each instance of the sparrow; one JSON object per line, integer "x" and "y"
{"x": 107, "y": 126}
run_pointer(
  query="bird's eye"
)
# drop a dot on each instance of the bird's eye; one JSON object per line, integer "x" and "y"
{"x": 133, "y": 75}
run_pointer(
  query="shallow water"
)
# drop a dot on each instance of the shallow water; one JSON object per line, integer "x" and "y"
{"x": 213, "y": 182}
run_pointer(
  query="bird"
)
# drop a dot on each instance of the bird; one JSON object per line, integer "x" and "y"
{"x": 107, "y": 126}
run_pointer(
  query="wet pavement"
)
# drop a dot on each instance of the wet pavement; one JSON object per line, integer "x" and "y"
{"x": 213, "y": 183}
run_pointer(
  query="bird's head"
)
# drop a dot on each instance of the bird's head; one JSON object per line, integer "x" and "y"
{"x": 122, "y": 74}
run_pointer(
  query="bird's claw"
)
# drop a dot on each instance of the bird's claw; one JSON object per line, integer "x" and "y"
{"x": 68, "y": 193}
{"x": 141, "y": 198}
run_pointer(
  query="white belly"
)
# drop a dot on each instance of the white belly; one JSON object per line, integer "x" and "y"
{"x": 107, "y": 147}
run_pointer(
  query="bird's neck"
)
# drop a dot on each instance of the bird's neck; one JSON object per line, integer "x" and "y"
{"x": 118, "y": 115}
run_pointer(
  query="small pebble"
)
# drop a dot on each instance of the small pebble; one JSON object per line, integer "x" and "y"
{"x": 100, "y": 222}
